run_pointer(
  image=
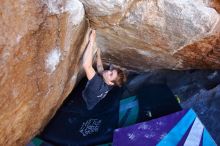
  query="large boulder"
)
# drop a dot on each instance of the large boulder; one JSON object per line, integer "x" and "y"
{"x": 151, "y": 34}
{"x": 40, "y": 47}
{"x": 42, "y": 42}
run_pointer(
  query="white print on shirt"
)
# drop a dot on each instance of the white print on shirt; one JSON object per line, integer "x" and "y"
{"x": 90, "y": 126}
{"x": 103, "y": 95}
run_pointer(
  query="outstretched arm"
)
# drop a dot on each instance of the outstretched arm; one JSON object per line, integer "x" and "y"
{"x": 99, "y": 64}
{"x": 88, "y": 57}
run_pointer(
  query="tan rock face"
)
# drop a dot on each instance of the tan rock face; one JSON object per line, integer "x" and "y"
{"x": 40, "y": 48}
{"x": 216, "y": 5}
{"x": 41, "y": 44}
{"x": 146, "y": 34}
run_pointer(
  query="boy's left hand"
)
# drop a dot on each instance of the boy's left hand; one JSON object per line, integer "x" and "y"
{"x": 92, "y": 36}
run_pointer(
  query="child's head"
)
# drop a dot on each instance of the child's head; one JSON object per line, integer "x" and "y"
{"x": 114, "y": 77}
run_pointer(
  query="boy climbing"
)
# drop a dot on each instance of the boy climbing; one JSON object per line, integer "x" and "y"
{"x": 100, "y": 82}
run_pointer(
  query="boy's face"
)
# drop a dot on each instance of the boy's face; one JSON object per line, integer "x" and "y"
{"x": 109, "y": 76}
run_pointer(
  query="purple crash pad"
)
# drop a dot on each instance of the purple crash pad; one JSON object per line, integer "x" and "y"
{"x": 180, "y": 128}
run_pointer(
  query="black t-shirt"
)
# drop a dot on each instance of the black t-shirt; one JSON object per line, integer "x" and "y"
{"x": 96, "y": 89}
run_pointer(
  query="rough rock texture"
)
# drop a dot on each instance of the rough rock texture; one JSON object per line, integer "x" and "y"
{"x": 216, "y": 5}
{"x": 157, "y": 33}
{"x": 40, "y": 49}
{"x": 41, "y": 44}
